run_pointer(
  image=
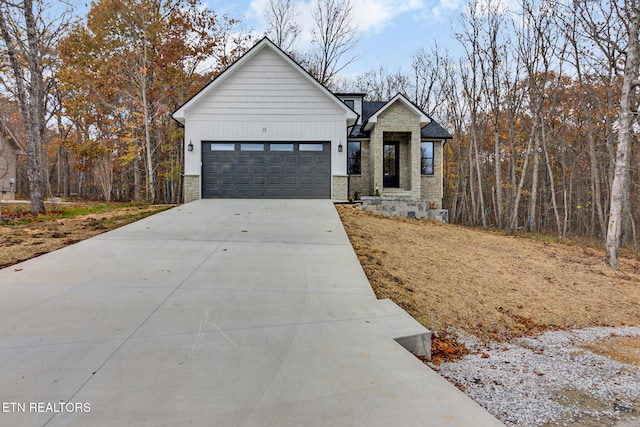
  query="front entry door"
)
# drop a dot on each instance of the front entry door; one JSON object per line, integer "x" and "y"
{"x": 391, "y": 164}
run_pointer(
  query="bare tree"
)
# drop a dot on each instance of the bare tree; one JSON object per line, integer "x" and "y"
{"x": 473, "y": 87}
{"x": 615, "y": 25}
{"x": 579, "y": 60}
{"x": 380, "y": 84}
{"x": 334, "y": 39}
{"x": 281, "y": 26}
{"x": 428, "y": 73}
{"x": 493, "y": 66}
{"x": 28, "y": 40}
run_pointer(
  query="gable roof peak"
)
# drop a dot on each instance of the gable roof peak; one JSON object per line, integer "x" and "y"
{"x": 262, "y": 44}
{"x": 383, "y": 106}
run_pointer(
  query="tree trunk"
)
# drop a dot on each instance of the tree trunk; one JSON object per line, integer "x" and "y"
{"x": 595, "y": 183}
{"x": 498, "y": 165}
{"x": 136, "y": 180}
{"x": 30, "y": 98}
{"x": 552, "y": 185}
{"x": 472, "y": 186}
{"x": 148, "y": 143}
{"x": 523, "y": 175}
{"x": 479, "y": 172}
{"x": 625, "y": 135}
{"x": 531, "y": 218}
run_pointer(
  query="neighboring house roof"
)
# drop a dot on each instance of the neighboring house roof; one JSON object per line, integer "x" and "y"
{"x": 10, "y": 137}
{"x": 265, "y": 43}
{"x": 432, "y": 130}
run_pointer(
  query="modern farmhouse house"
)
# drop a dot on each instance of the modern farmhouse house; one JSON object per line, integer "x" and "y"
{"x": 265, "y": 128}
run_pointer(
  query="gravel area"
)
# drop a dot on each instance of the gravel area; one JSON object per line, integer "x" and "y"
{"x": 551, "y": 379}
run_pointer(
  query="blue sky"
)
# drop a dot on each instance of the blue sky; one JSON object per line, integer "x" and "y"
{"x": 390, "y": 31}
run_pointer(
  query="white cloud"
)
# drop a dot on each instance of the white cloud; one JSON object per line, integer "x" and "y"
{"x": 444, "y": 8}
{"x": 375, "y": 15}
{"x": 368, "y": 15}
{"x": 256, "y": 12}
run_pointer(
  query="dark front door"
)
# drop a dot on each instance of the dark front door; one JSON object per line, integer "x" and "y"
{"x": 391, "y": 164}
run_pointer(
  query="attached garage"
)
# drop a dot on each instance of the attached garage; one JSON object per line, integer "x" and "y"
{"x": 265, "y": 128}
{"x": 266, "y": 170}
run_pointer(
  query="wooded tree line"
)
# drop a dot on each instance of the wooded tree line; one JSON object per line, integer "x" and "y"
{"x": 98, "y": 91}
{"x": 542, "y": 101}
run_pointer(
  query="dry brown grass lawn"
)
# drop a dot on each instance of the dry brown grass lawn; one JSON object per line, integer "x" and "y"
{"x": 19, "y": 242}
{"x": 488, "y": 284}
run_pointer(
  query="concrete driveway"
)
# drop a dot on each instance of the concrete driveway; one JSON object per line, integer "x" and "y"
{"x": 214, "y": 313}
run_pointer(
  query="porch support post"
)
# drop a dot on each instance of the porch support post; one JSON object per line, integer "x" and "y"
{"x": 415, "y": 161}
{"x": 376, "y": 150}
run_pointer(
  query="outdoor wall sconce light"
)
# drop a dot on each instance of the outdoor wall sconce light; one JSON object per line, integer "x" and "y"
{"x": 340, "y": 147}
{"x": 190, "y": 146}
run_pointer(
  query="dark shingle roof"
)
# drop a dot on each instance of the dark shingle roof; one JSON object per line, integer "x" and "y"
{"x": 435, "y": 131}
{"x": 431, "y": 131}
{"x": 369, "y": 108}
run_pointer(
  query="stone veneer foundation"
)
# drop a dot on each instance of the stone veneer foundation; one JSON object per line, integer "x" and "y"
{"x": 191, "y": 189}
{"x": 408, "y": 207}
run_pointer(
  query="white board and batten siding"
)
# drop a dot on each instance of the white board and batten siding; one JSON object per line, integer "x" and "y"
{"x": 265, "y": 99}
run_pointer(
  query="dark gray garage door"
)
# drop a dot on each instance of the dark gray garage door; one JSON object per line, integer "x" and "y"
{"x": 266, "y": 170}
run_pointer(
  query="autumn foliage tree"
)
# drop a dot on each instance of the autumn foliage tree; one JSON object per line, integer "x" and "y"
{"x": 133, "y": 62}
{"x": 29, "y": 32}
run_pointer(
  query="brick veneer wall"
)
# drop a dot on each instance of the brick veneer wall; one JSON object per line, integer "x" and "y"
{"x": 431, "y": 185}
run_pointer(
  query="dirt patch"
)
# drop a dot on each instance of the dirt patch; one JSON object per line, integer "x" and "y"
{"x": 20, "y": 242}
{"x": 489, "y": 285}
{"x": 621, "y": 349}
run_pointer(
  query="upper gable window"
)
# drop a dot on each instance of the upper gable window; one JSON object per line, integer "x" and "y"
{"x": 349, "y": 103}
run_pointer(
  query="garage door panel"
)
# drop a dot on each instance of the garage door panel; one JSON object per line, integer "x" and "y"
{"x": 290, "y": 180}
{"x": 279, "y": 171}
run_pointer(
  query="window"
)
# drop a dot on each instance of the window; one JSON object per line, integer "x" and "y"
{"x": 251, "y": 147}
{"x": 426, "y": 158}
{"x": 311, "y": 147}
{"x": 223, "y": 147}
{"x": 281, "y": 147}
{"x": 349, "y": 103}
{"x": 354, "y": 158}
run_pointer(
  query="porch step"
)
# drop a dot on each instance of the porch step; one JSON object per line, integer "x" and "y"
{"x": 396, "y": 192}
